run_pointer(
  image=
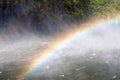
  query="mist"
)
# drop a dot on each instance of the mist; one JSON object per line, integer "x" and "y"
{"x": 94, "y": 55}
{"x": 27, "y": 27}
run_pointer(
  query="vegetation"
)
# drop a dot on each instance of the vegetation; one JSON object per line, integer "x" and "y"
{"x": 86, "y": 8}
{"x": 40, "y": 12}
{"x": 73, "y": 8}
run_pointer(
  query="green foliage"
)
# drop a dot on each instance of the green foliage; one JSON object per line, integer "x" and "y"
{"x": 99, "y": 7}
{"x": 74, "y": 8}
{"x": 85, "y": 8}
{"x": 1, "y": 1}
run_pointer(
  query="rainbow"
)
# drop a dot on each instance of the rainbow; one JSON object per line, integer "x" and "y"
{"x": 60, "y": 42}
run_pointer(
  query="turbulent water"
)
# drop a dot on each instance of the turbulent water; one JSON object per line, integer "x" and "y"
{"x": 24, "y": 34}
{"x": 92, "y": 56}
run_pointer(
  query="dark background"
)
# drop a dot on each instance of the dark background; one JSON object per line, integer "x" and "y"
{"x": 48, "y": 16}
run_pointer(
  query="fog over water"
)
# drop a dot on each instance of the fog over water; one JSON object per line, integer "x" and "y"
{"x": 91, "y": 56}
{"x": 28, "y": 27}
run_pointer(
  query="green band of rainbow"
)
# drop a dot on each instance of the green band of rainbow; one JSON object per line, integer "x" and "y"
{"x": 59, "y": 42}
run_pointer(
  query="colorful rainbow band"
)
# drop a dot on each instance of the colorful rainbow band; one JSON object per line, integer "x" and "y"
{"x": 59, "y": 42}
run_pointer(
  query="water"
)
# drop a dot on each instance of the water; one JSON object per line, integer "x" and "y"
{"x": 92, "y": 57}
{"x": 24, "y": 34}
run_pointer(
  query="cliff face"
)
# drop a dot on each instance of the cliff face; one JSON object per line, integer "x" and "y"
{"x": 8, "y": 9}
{"x": 35, "y": 14}
{"x": 26, "y": 7}
{"x": 45, "y": 15}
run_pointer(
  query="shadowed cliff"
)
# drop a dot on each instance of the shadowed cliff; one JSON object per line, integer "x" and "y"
{"x": 49, "y": 16}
